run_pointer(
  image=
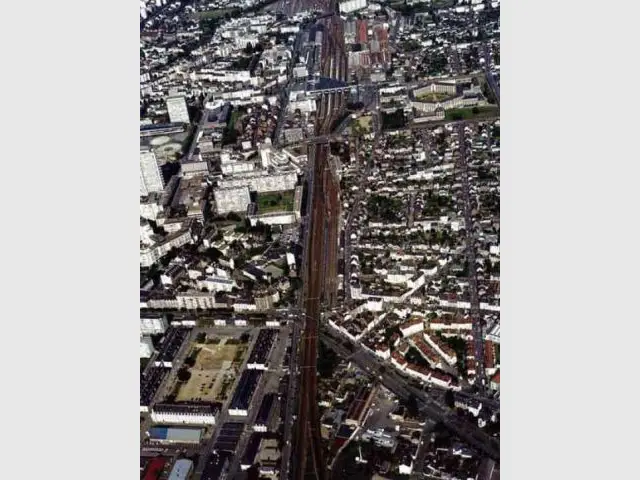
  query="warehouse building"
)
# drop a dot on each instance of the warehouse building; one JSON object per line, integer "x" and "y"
{"x": 175, "y": 435}
{"x": 187, "y": 414}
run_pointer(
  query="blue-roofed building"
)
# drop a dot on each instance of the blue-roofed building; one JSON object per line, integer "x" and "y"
{"x": 249, "y": 457}
{"x": 264, "y": 413}
{"x": 243, "y": 394}
{"x": 175, "y": 435}
{"x": 181, "y": 469}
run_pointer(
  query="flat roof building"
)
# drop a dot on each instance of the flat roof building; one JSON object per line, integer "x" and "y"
{"x": 189, "y": 414}
{"x": 181, "y": 469}
{"x": 150, "y": 175}
{"x": 175, "y": 435}
{"x": 177, "y": 108}
{"x": 232, "y": 199}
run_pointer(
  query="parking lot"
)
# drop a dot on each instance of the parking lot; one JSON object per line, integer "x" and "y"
{"x": 381, "y": 407}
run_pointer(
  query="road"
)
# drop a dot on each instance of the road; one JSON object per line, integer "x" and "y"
{"x": 478, "y": 324}
{"x": 418, "y": 467}
{"x": 290, "y": 403}
{"x": 194, "y": 143}
{"x": 364, "y": 173}
{"x": 284, "y": 95}
{"x": 493, "y": 85}
{"x": 411, "y": 209}
{"x": 346, "y": 277}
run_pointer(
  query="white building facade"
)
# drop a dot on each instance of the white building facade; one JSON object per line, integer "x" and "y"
{"x": 150, "y": 176}
{"x": 177, "y": 108}
{"x": 153, "y": 326}
{"x": 183, "y": 415}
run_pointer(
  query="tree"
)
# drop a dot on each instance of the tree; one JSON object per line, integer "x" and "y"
{"x": 327, "y": 361}
{"x": 475, "y": 110}
{"x": 248, "y": 50}
{"x": 449, "y": 399}
{"x": 253, "y": 473}
{"x": 190, "y": 362}
{"x": 412, "y": 405}
{"x": 488, "y": 267}
{"x": 184, "y": 375}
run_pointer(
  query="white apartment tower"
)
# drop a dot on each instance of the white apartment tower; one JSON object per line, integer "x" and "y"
{"x": 146, "y": 346}
{"x": 150, "y": 176}
{"x": 178, "y": 112}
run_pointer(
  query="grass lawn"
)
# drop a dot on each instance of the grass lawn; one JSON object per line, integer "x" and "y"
{"x": 233, "y": 118}
{"x": 217, "y": 13}
{"x": 468, "y": 113}
{"x": 275, "y": 202}
{"x": 362, "y": 125}
{"x": 433, "y": 97}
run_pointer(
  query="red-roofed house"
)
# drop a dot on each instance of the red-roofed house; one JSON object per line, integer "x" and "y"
{"x": 495, "y": 381}
{"x": 451, "y": 324}
{"x": 382, "y": 351}
{"x": 418, "y": 372}
{"x": 443, "y": 379}
{"x": 361, "y": 29}
{"x": 490, "y": 357}
{"x": 441, "y": 348}
{"x": 412, "y": 327}
{"x": 398, "y": 361}
{"x": 155, "y": 468}
{"x": 427, "y": 352}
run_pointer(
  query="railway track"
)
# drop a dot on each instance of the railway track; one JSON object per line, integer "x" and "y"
{"x": 321, "y": 260}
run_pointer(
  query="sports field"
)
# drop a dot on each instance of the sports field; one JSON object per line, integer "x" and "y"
{"x": 215, "y": 360}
